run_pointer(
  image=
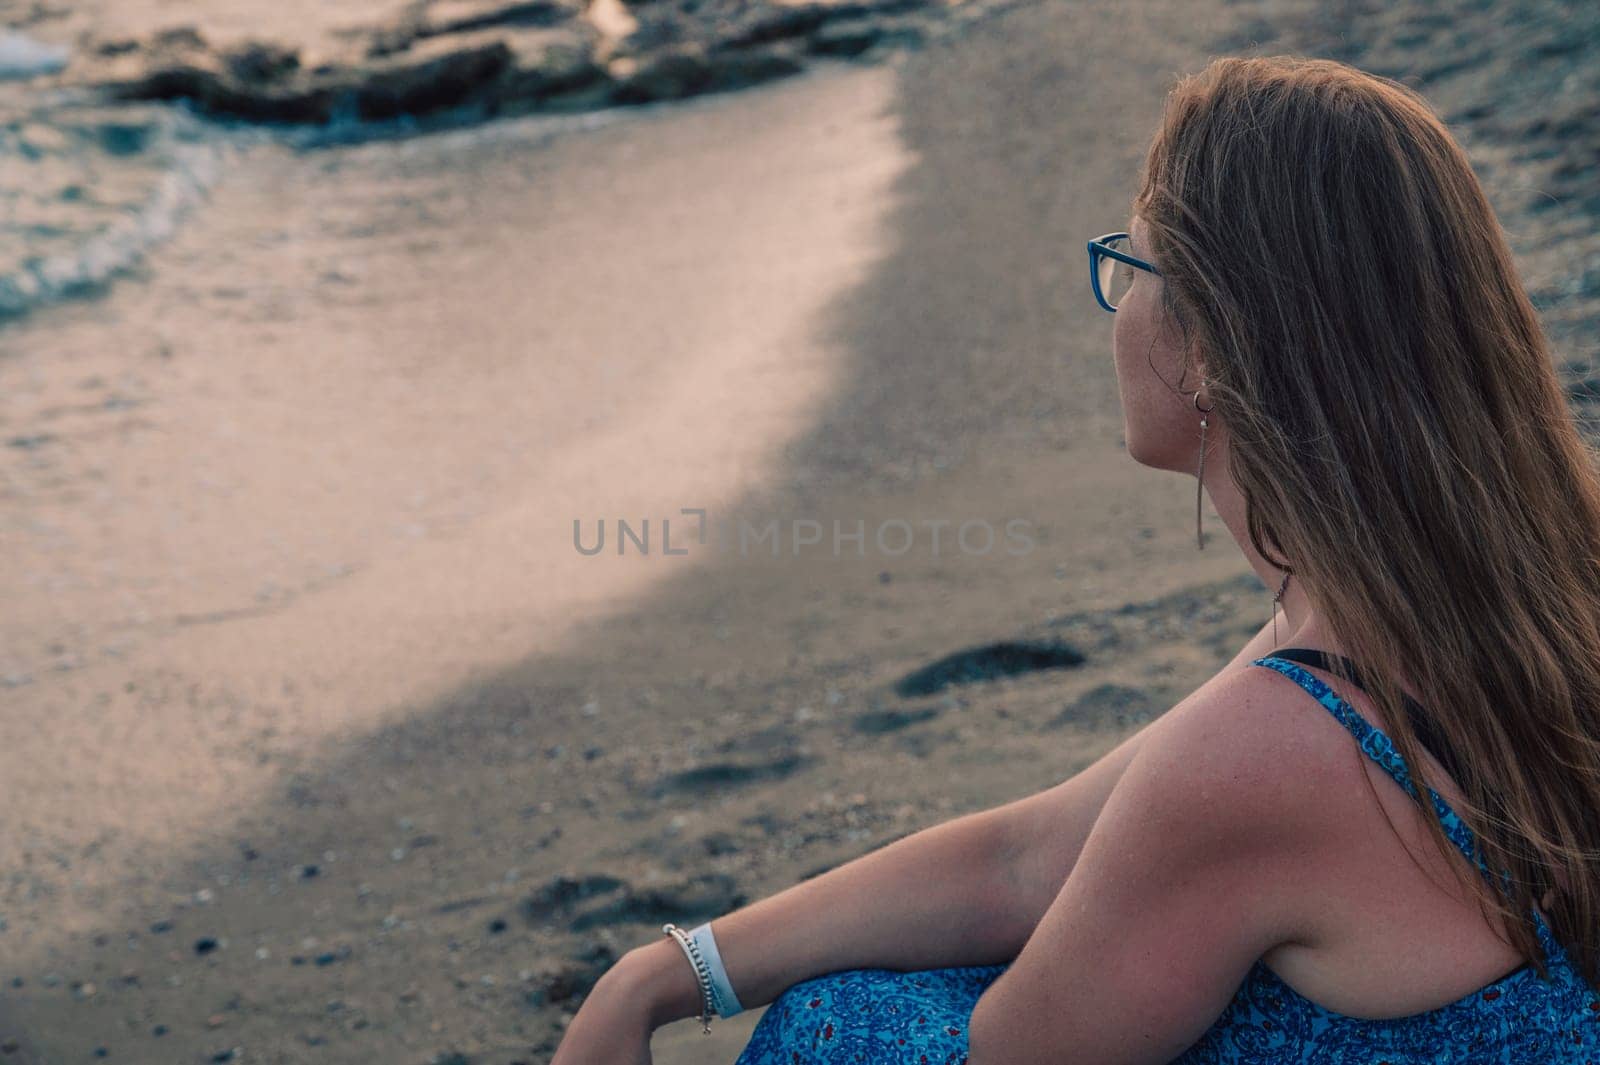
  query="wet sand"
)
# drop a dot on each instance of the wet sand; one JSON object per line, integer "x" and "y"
{"x": 327, "y": 744}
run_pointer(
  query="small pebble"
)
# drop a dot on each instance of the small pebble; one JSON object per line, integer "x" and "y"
{"x": 205, "y": 945}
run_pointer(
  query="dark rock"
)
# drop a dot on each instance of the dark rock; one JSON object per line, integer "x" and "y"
{"x": 991, "y": 661}
{"x": 205, "y": 945}
{"x": 722, "y": 775}
{"x": 702, "y": 898}
{"x": 489, "y": 57}
{"x": 889, "y": 33}
{"x": 774, "y": 23}
{"x": 178, "y": 38}
{"x": 261, "y": 61}
{"x": 688, "y": 70}
{"x": 717, "y": 843}
{"x": 213, "y": 91}
{"x": 430, "y": 83}
{"x": 561, "y": 72}
{"x": 415, "y": 83}
{"x": 579, "y": 902}
{"x": 340, "y": 953}
{"x": 458, "y": 16}
{"x": 877, "y": 722}
{"x": 845, "y": 40}
{"x": 561, "y": 892}
{"x": 665, "y": 77}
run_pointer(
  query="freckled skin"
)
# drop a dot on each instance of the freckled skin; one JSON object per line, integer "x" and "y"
{"x": 1160, "y": 424}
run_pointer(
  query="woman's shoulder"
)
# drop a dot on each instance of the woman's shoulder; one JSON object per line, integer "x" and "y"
{"x": 1254, "y": 753}
{"x": 1227, "y": 795}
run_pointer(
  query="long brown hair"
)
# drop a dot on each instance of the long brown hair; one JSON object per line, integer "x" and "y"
{"x": 1402, "y": 441}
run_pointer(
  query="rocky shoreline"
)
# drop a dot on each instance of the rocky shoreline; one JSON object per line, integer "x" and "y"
{"x": 496, "y": 57}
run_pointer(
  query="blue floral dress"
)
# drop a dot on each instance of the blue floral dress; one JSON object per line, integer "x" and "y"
{"x": 890, "y": 1017}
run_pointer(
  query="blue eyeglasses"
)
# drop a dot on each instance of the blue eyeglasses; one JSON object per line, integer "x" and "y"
{"x": 1106, "y": 254}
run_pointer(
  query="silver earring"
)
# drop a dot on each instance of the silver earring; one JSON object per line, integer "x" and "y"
{"x": 1281, "y": 586}
{"x": 1200, "y": 473}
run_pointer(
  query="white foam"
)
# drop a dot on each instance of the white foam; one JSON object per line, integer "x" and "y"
{"x": 24, "y": 57}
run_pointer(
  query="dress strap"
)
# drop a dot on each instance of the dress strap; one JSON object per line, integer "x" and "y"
{"x": 1433, "y": 741}
{"x": 1380, "y": 748}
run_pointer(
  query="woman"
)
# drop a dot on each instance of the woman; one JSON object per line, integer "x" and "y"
{"x": 1318, "y": 313}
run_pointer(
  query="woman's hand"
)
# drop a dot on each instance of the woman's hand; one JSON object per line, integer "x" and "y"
{"x": 612, "y": 1027}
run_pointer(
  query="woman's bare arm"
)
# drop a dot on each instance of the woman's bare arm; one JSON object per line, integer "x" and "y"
{"x": 928, "y": 900}
{"x": 969, "y": 891}
{"x": 1047, "y": 830}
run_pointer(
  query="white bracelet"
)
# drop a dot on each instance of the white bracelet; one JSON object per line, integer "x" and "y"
{"x": 702, "y": 973}
{"x": 726, "y": 1002}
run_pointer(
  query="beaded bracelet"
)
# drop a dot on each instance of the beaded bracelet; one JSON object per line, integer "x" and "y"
{"x": 702, "y": 972}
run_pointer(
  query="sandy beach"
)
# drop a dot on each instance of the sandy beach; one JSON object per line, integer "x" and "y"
{"x": 324, "y": 739}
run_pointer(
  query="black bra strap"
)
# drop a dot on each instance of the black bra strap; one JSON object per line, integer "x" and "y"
{"x": 1421, "y": 723}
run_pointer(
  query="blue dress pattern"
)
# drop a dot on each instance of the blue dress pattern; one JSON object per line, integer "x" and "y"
{"x": 890, "y": 1017}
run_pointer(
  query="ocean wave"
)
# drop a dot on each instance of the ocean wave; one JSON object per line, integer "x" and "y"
{"x": 89, "y": 190}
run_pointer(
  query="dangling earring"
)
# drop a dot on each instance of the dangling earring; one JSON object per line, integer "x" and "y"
{"x": 1200, "y": 474}
{"x": 1281, "y": 586}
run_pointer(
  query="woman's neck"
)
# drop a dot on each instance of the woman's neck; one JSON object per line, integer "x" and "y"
{"x": 1298, "y": 623}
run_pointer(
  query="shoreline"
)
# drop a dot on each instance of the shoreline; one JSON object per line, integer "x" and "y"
{"x": 382, "y": 771}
